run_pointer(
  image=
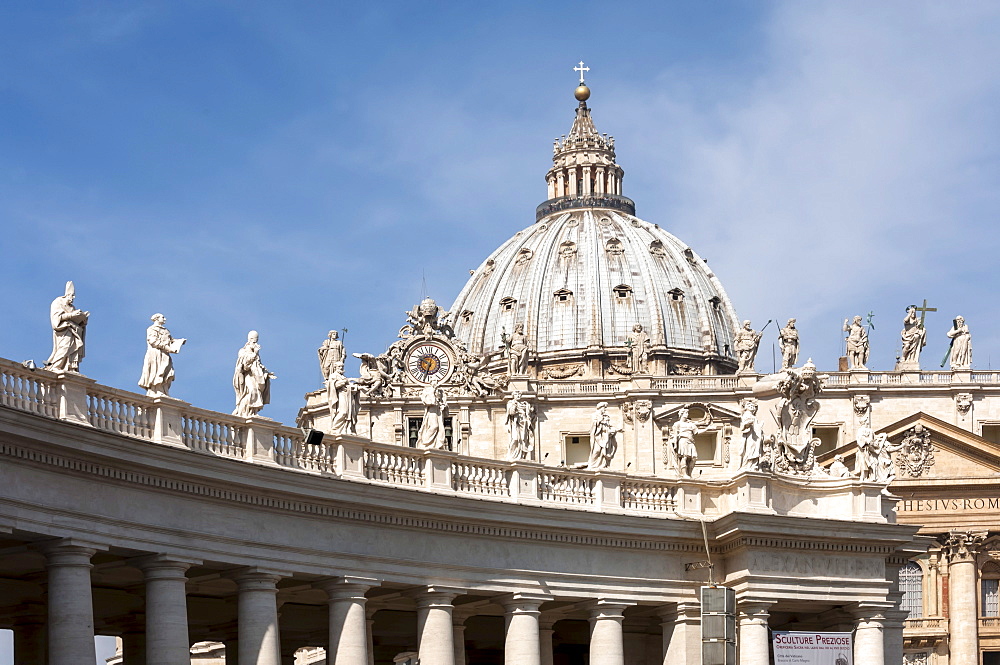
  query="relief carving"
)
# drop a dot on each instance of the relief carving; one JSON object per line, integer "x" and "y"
{"x": 916, "y": 454}
{"x": 963, "y": 402}
{"x": 562, "y": 371}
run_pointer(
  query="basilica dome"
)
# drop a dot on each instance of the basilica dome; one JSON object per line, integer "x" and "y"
{"x": 588, "y": 271}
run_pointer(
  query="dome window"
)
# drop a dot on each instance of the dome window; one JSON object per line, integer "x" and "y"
{"x": 689, "y": 255}
{"x": 466, "y": 315}
{"x": 523, "y": 256}
{"x": 623, "y": 291}
{"x": 716, "y": 302}
{"x": 567, "y": 250}
{"x": 507, "y": 304}
{"x": 488, "y": 268}
{"x": 563, "y": 295}
{"x": 676, "y": 295}
{"x": 615, "y": 247}
{"x": 656, "y": 248}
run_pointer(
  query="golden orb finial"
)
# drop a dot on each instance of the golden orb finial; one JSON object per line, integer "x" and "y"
{"x": 582, "y": 93}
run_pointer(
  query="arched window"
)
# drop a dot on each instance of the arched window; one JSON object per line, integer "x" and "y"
{"x": 911, "y": 583}
{"x": 676, "y": 295}
{"x": 990, "y": 589}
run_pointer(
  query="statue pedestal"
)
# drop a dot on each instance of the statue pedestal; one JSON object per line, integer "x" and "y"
{"x": 859, "y": 375}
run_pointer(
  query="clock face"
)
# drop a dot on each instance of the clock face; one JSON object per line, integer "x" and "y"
{"x": 428, "y": 362}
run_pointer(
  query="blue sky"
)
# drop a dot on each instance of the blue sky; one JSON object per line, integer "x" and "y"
{"x": 297, "y": 167}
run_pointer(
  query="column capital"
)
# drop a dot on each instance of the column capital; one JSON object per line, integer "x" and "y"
{"x": 961, "y": 546}
{"x": 683, "y": 611}
{"x": 347, "y": 586}
{"x": 163, "y": 566}
{"x": 435, "y": 594}
{"x": 870, "y": 613}
{"x": 69, "y": 551}
{"x": 257, "y": 579}
{"x": 522, "y": 602}
{"x": 753, "y": 611}
{"x": 607, "y": 608}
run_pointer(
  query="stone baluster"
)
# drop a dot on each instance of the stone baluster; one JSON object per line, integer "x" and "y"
{"x": 71, "y": 605}
{"x": 754, "y": 639}
{"x": 681, "y": 625}
{"x": 522, "y": 643}
{"x": 435, "y": 628}
{"x": 869, "y": 635}
{"x": 259, "y": 641}
{"x": 961, "y": 549}
{"x": 606, "y": 637}
{"x": 349, "y": 639}
{"x": 167, "y": 638}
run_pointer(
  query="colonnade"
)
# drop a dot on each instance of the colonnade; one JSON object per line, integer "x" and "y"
{"x": 67, "y": 636}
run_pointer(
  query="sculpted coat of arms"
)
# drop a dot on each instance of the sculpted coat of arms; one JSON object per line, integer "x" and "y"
{"x": 917, "y": 453}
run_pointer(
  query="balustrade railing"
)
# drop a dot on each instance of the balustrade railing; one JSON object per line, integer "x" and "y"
{"x": 480, "y": 478}
{"x": 25, "y": 390}
{"x": 566, "y": 488}
{"x": 650, "y": 496}
{"x": 213, "y": 435}
{"x": 924, "y": 624}
{"x": 394, "y": 468}
{"x": 118, "y": 411}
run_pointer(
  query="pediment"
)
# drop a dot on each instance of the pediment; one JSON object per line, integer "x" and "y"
{"x": 957, "y": 453}
{"x": 719, "y": 413}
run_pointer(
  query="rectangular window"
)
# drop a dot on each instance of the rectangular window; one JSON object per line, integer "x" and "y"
{"x": 829, "y": 438}
{"x": 991, "y": 595}
{"x": 413, "y": 431}
{"x": 577, "y": 449}
{"x": 991, "y": 433}
{"x": 706, "y": 444}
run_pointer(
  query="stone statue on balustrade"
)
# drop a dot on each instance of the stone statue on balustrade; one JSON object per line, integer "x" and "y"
{"x": 752, "y": 436}
{"x": 426, "y": 320}
{"x": 960, "y": 351}
{"x": 251, "y": 380}
{"x": 330, "y": 353}
{"x": 520, "y": 423}
{"x": 837, "y": 468}
{"x": 638, "y": 349}
{"x": 516, "y": 350}
{"x": 158, "y": 364}
{"x": 788, "y": 340}
{"x": 432, "y": 430}
{"x": 797, "y": 406}
{"x": 344, "y": 400}
{"x": 375, "y": 375}
{"x": 857, "y": 343}
{"x": 69, "y": 333}
{"x": 746, "y": 343}
{"x": 682, "y": 448}
{"x": 472, "y": 373}
{"x": 603, "y": 439}
{"x": 875, "y": 455}
{"x": 913, "y": 338}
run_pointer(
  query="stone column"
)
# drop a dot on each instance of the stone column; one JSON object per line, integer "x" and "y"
{"x": 869, "y": 636}
{"x": 259, "y": 642}
{"x": 348, "y": 621}
{"x": 134, "y": 648}
{"x": 71, "y": 605}
{"x": 606, "y": 639}
{"x": 545, "y": 633}
{"x": 522, "y": 644}
{"x": 167, "y": 638}
{"x": 681, "y": 626}
{"x": 370, "y": 630}
{"x": 29, "y": 639}
{"x": 435, "y": 629}
{"x": 963, "y": 612}
{"x": 753, "y": 640}
{"x": 458, "y": 631}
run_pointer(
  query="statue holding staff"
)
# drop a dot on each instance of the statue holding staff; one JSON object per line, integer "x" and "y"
{"x": 69, "y": 333}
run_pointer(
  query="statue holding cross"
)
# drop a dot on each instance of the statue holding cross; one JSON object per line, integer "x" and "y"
{"x": 913, "y": 337}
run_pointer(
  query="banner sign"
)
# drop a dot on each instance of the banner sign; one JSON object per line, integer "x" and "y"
{"x": 802, "y": 648}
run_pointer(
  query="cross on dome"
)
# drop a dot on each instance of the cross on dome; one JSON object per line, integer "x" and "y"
{"x": 580, "y": 68}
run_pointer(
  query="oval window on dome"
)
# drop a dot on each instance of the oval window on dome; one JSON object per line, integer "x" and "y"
{"x": 523, "y": 256}
{"x": 623, "y": 291}
{"x": 615, "y": 247}
{"x": 656, "y": 248}
{"x": 507, "y": 303}
{"x": 567, "y": 250}
{"x": 716, "y": 302}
